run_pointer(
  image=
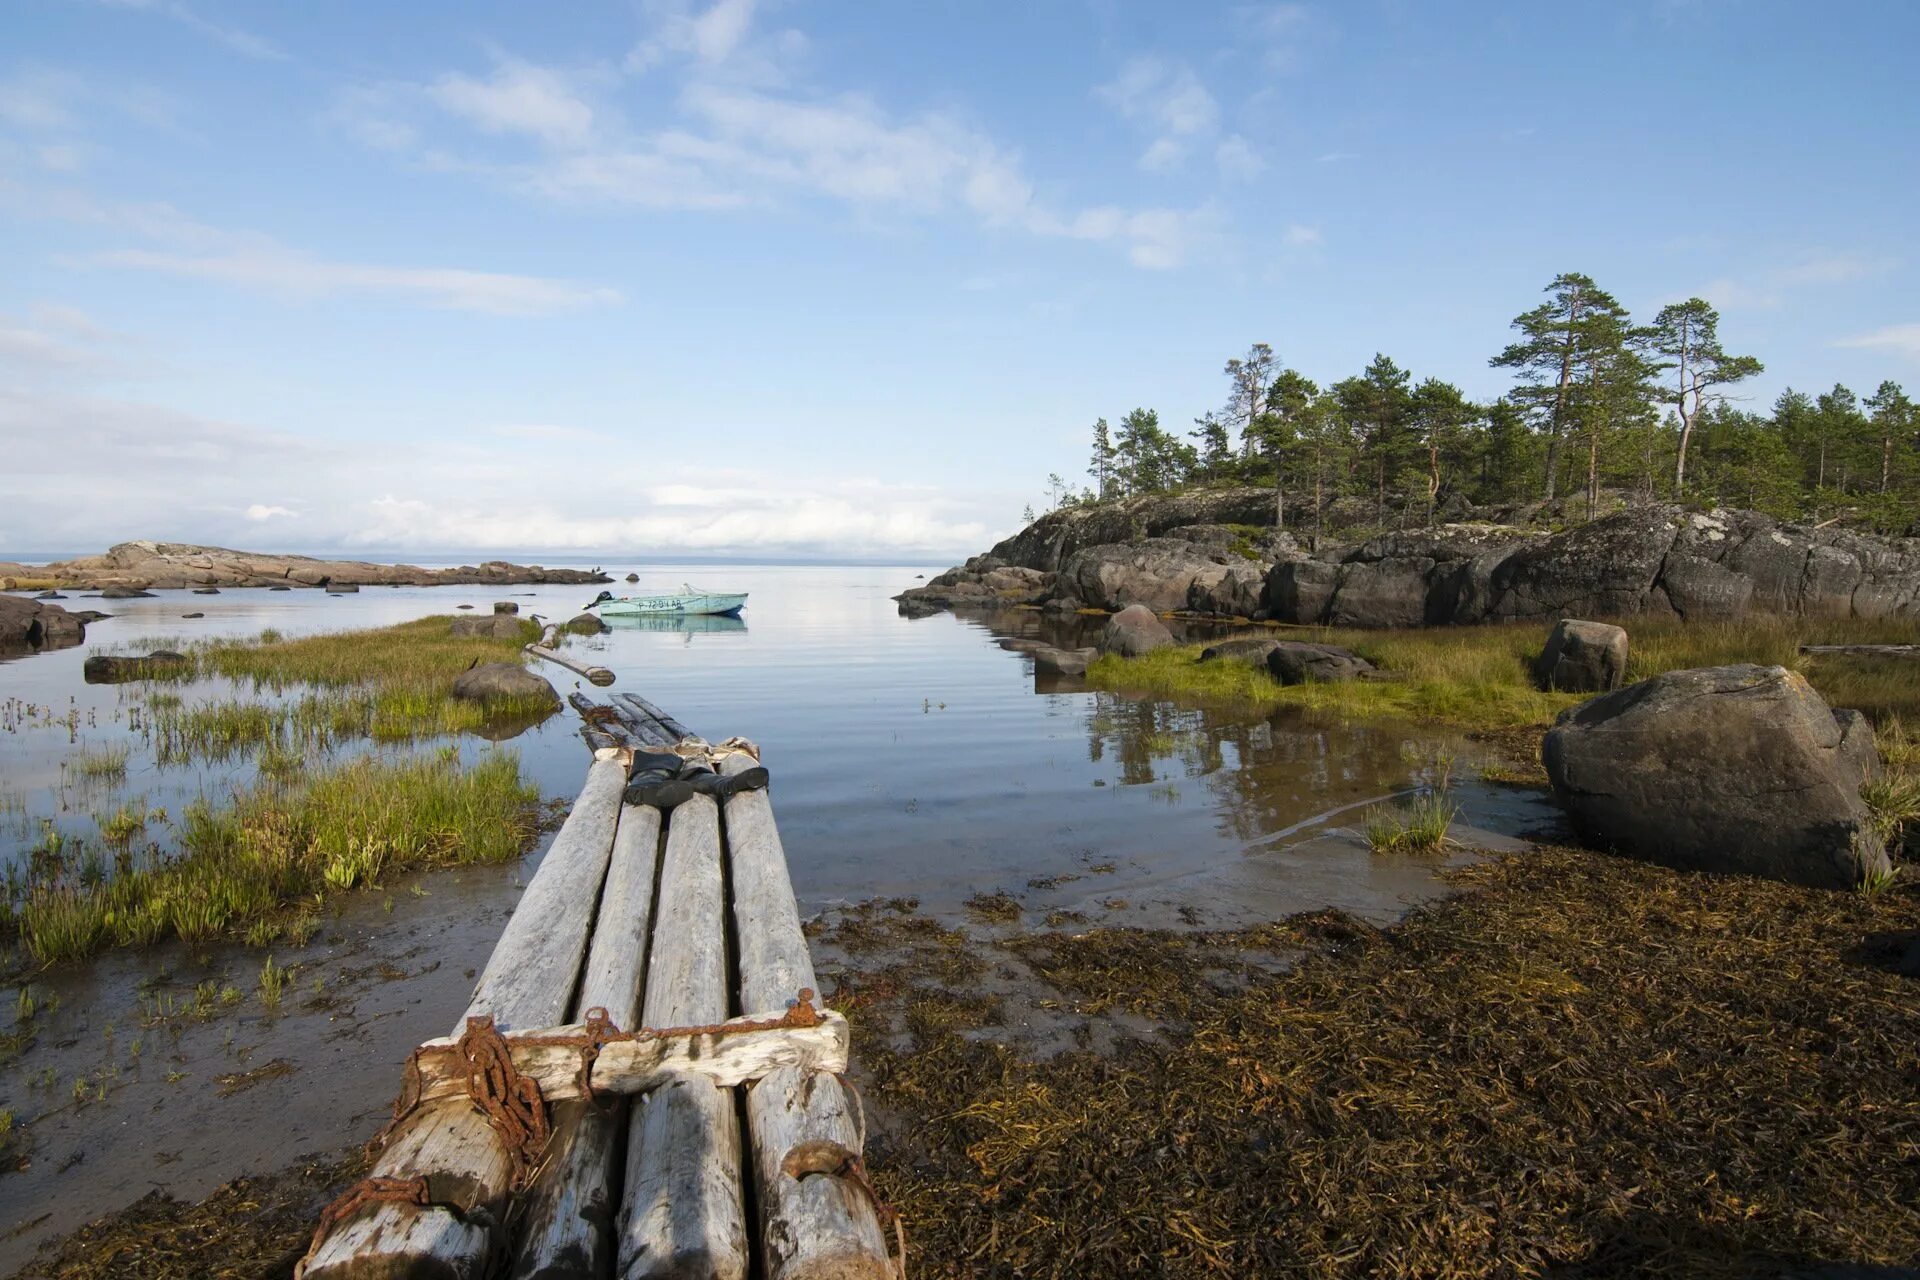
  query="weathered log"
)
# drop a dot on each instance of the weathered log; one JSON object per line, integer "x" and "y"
{"x": 608, "y": 723}
{"x": 1865, "y": 650}
{"x": 816, "y": 1227}
{"x": 528, "y": 982}
{"x": 636, "y": 711}
{"x": 667, "y": 722}
{"x": 597, "y": 675}
{"x": 684, "y": 1213}
{"x": 569, "y": 1208}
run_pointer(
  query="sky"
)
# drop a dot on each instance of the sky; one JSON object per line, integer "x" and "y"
{"x": 753, "y": 277}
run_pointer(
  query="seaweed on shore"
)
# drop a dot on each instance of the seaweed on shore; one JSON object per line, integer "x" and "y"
{"x": 1581, "y": 1066}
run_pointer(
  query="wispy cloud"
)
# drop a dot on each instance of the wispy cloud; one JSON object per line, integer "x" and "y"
{"x": 249, "y": 259}
{"x": 1299, "y": 237}
{"x": 734, "y": 138}
{"x": 51, "y": 340}
{"x": 301, "y": 275}
{"x": 241, "y": 42}
{"x": 1769, "y": 287}
{"x": 1279, "y": 32}
{"x": 1167, "y": 100}
{"x": 1902, "y": 338}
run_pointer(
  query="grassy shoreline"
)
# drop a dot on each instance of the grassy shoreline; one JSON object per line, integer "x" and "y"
{"x": 315, "y": 820}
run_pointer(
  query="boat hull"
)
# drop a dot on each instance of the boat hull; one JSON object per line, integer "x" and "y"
{"x": 707, "y": 604}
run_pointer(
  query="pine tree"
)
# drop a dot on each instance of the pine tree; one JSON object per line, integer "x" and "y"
{"x": 1893, "y": 421}
{"x": 1101, "y": 468}
{"x": 1549, "y": 356}
{"x": 1247, "y": 399}
{"x": 1685, "y": 338}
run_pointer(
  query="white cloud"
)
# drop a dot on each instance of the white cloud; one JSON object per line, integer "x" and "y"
{"x": 1835, "y": 268}
{"x": 542, "y": 431}
{"x": 1277, "y": 31}
{"x": 1237, "y": 158}
{"x": 185, "y": 478}
{"x": 1768, "y": 287}
{"x": 52, "y": 340}
{"x": 518, "y": 98}
{"x": 1903, "y": 338}
{"x": 734, "y": 144}
{"x": 301, "y": 275}
{"x": 1299, "y": 236}
{"x": 1164, "y": 154}
{"x": 1168, "y": 101}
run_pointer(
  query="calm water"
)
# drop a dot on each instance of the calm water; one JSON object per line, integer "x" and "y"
{"x": 910, "y": 758}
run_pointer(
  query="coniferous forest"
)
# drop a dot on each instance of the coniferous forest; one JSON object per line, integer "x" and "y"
{"x": 1600, "y": 406}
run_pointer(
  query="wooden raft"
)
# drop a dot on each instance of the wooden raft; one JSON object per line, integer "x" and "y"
{"x": 693, "y": 1147}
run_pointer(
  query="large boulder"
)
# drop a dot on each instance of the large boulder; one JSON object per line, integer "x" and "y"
{"x": 1582, "y": 657}
{"x": 1156, "y": 572}
{"x": 587, "y": 624}
{"x": 1732, "y": 769}
{"x": 984, "y": 582}
{"x": 495, "y": 681}
{"x": 37, "y": 624}
{"x": 499, "y": 626}
{"x": 1236, "y": 590}
{"x": 1299, "y": 662}
{"x": 1134, "y": 631}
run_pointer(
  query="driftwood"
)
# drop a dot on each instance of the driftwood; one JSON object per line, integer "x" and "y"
{"x": 545, "y": 649}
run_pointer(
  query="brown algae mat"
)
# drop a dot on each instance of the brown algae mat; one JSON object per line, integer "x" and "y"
{"x": 1578, "y": 1065}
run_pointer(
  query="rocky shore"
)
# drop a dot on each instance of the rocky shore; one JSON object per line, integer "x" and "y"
{"x": 146, "y": 565}
{"x": 1217, "y": 554}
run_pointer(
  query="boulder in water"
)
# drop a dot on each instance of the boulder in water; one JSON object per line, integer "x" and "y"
{"x": 123, "y": 593}
{"x": 1739, "y": 769}
{"x": 103, "y": 668}
{"x": 587, "y": 624}
{"x": 1134, "y": 631}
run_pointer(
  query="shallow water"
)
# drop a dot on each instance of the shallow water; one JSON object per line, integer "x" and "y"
{"x": 910, "y": 758}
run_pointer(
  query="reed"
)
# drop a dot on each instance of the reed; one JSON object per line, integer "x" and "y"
{"x": 284, "y": 843}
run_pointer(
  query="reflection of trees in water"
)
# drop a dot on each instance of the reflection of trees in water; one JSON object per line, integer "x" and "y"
{"x": 1269, "y": 771}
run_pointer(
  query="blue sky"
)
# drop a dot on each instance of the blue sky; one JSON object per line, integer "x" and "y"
{"x": 789, "y": 278}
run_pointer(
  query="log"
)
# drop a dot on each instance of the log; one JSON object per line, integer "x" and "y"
{"x": 635, "y": 1066}
{"x": 683, "y": 1213}
{"x": 643, "y": 728}
{"x": 618, "y": 730}
{"x": 635, "y": 710}
{"x": 569, "y": 1207}
{"x": 598, "y": 675}
{"x": 1865, "y": 650}
{"x": 528, "y": 982}
{"x": 672, "y": 726}
{"x": 816, "y": 1227}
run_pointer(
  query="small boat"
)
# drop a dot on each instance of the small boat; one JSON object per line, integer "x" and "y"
{"x": 688, "y": 601}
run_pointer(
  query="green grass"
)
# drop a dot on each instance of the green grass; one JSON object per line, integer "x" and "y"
{"x": 100, "y": 762}
{"x": 1418, "y": 826}
{"x": 388, "y": 684}
{"x": 1478, "y": 677}
{"x": 282, "y": 844}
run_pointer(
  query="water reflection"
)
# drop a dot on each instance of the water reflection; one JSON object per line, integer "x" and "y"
{"x": 681, "y": 624}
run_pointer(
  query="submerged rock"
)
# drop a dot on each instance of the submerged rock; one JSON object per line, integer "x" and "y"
{"x": 118, "y": 592}
{"x": 492, "y": 681}
{"x": 1582, "y": 657}
{"x": 206, "y": 591}
{"x": 1299, "y": 662}
{"x": 1134, "y": 631}
{"x": 1734, "y": 769}
{"x": 505, "y": 606}
{"x": 1063, "y": 662}
{"x": 102, "y": 668}
{"x": 587, "y": 624}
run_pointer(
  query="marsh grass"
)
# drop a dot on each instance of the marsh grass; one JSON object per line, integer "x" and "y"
{"x": 100, "y": 763}
{"x": 387, "y": 684}
{"x": 279, "y": 844}
{"x": 1478, "y": 677}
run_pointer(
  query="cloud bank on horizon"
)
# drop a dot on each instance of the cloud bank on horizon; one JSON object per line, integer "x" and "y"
{"x": 765, "y": 277}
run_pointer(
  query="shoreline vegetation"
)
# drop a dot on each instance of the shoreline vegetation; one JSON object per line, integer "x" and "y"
{"x": 339, "y": 794}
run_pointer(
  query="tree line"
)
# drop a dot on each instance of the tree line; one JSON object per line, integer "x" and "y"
{"x": 1598, "y": 403}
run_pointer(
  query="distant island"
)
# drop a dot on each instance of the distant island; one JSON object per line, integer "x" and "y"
{"x": 143, "y": 565}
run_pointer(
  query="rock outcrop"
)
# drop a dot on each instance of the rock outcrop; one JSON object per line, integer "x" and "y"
{"x": 1582, "y": 657}
{"x": 1733, "y": 769}
{"x": 499, "y": 626}
{"x": 37, "y": 624}
{"x": 173, "y": 565}
{"x": 1179, "y": 553}
{"x": 1134, "y": 631}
